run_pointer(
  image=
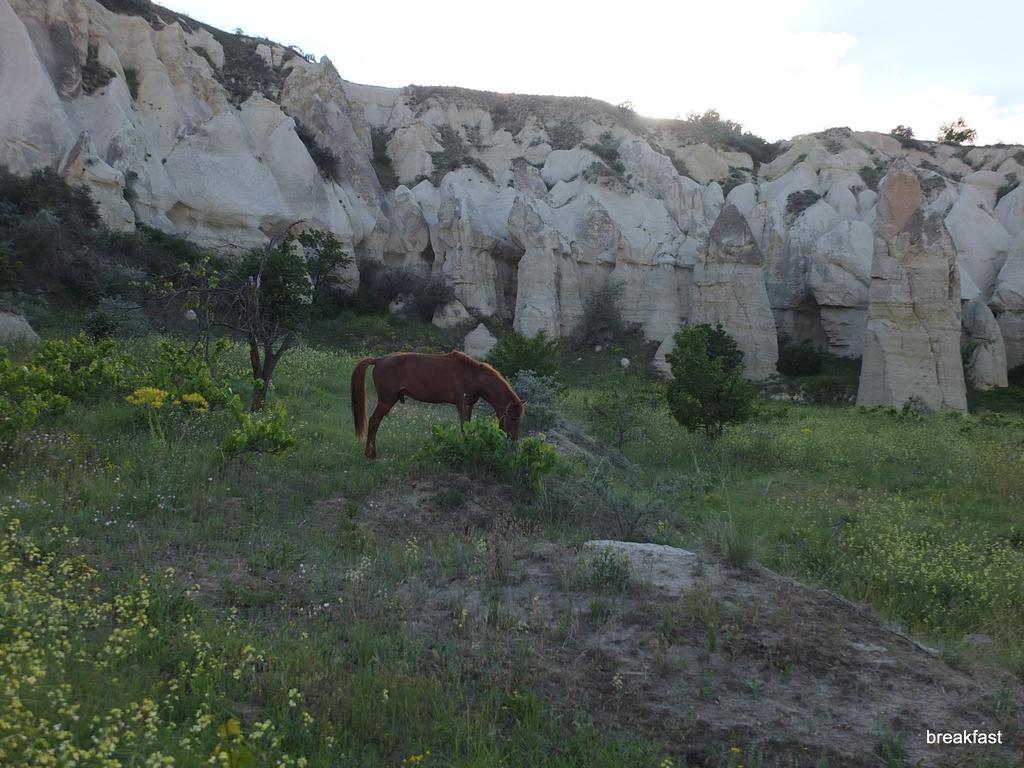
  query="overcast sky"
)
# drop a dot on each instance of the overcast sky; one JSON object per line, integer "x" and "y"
{"x": 780, "y": 67}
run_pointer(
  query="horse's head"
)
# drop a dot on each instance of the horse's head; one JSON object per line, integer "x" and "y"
{"x": 510, "y": 417}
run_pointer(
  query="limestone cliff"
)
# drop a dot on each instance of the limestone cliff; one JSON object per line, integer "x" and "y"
{"x": 522, "y": 203}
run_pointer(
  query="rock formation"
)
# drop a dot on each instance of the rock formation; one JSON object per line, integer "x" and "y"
{"x": 912, "y": 341}
{"x": 982, "y": 346}
{"x": 729, "y": 290}
{"x": 522, "y": 204}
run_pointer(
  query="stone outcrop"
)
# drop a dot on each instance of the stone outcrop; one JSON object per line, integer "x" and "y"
{"x": 982, "y": 346}
{"x": 548, "y": 287}
{"x": 479, "y": 342}
{"x": 729, "y": 290}
{"x": 912, "y": 341}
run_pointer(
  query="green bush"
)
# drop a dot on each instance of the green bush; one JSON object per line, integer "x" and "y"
{"x": 82, "y": 368}
{"x": 616, "y": 415}
{"x": 61, "y": 371}
{"x": 515, "y": 352}
{"x": 25, "y": 395}
{"x": 481, "y": 443}
{"x": 1015, "y": 376}
{"x": 708, "y": 391}
{"x": 798, "y": 359}
{"x": 182, "y": 369}
{"x": 257, "y": 434}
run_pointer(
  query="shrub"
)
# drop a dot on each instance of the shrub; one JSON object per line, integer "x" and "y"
{"x": 564, "y": 135}
{"x": 453, "y": 154}
{"x": 257, "y": 434}
{"x": 379, "y": 286}
{"x": 798, "y": 359}
{"x": 515, "y": 352}
{"x": 131, "y": 79}
{"x": 183, "y": 369}
{"x": 605, "y": 569}
{"x": 902, "y": 132}
{"x": 602, "y": 319}
{"x": 327, "y": 162}
{"x": 94, "y": 74}
{"x": 608, "y": 150}
{"x": 381, "y": 161}
{"x": 616, "y": 416}
{"x": 541, "y": 392}
{"x": 82, "y": 368}
{"x": 481, "y": 443}
{"x": 711, "y": 128}
{"x": 25, "y": 396}
{"x": 798, "y": 202}
{"x": 1015, "y": 376}
{"x": 707, "y": 390}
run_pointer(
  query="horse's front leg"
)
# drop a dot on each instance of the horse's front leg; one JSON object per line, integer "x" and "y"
{"x": 465, "y": 406}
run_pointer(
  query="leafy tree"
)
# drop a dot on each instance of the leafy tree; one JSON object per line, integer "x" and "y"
{"x": 707, "y": 390}
{"x": 957, "y": 132}
{"x": 325, "y": 259}
{"x": 272, "y": 297}
{"x": 902, "y": 132}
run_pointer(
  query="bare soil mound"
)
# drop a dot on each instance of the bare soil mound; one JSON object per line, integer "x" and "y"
{"x": 689, "y": 651}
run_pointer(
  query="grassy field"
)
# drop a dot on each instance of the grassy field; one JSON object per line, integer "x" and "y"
{"x": 163, "y": 605}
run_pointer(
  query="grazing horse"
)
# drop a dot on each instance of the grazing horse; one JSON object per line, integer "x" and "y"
{"x": 452, "y": 378}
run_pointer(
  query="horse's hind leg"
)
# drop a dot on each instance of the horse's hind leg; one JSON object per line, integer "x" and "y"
{"x": 384, "y": 404}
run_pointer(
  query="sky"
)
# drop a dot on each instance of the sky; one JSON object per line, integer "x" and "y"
{"x": 779, "y": 67}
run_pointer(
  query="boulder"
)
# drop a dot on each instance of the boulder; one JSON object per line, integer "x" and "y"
{"x": 729, "y": 290}
{"x": 15, "y": 329}
{"x": 912, "y": 341}
{"x": 982, "y": 346}
{"x": 479, "y": 342}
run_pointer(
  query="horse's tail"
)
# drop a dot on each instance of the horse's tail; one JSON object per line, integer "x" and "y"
{"x": 359, "y": 394}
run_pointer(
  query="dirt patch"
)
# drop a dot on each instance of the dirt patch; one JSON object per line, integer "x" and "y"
{"x": 690, "y": 652}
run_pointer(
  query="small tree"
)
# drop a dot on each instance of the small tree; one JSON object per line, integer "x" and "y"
{"x": 708, "y": 390}
{"x": 902, "y": 132}
{"x": 272, "y": 297}
{"x": 957, "y": 132}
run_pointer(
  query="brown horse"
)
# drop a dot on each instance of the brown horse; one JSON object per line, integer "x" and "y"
{"x": 453, "y": 378}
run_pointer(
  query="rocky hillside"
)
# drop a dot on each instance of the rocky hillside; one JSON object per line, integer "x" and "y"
{"x": 524, "y": 204}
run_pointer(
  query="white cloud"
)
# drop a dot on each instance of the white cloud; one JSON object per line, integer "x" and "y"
{"x": 741, "y": 58}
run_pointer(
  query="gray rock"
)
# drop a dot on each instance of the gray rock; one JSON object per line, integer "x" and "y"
{"x": 479, "y": 342}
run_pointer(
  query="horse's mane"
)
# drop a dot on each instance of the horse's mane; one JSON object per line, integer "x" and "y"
{"x": 488, "y": 368}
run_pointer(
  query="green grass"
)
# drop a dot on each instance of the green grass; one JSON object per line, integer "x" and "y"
{"x": 919, "y": 516}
